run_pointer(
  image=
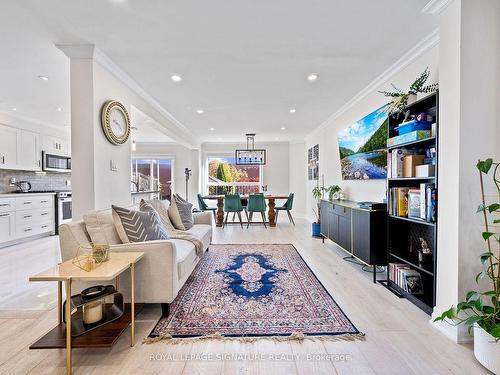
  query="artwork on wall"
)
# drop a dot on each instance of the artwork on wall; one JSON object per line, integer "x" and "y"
{"x": 362, "y": 147}
{"x": 313, "y": 163}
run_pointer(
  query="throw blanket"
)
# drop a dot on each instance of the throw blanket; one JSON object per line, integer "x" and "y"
{"x": 181, "y": 235}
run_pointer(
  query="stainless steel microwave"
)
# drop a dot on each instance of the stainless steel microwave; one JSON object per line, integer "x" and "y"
{"x": 55, "y": 162}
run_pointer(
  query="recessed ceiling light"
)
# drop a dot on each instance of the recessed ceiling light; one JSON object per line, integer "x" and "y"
{"x": 211, "y": 129}
{"x": 200, "y": 111}
{"x": 293, "y": 110}
{"x": 176, "y": 78}
{"x": 14, "y": 108}
{"x": 283, "y": 128}
{"x": 43, "y": 78}
{"x": 312, "y": 77}
{"x": 59, "y": 109}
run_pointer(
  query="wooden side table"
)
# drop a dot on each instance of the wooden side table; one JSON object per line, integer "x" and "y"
{"x": 60, "y": 336}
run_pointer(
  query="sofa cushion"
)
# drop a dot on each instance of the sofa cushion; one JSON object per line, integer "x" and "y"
{"x": 161, "y": 207}
{"x": 203, "y": 232}
{"x": 138, "y": 226}
{"x": 186, "y": 257}
{"x": 181, "y": 213}
{"x": 101, "y": 228}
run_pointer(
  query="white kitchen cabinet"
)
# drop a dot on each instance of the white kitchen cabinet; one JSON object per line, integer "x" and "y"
{"x": 7, "y": 226}
{"x": 55, "y": 145}
{"x": 10, "y": 139}
{"x": 30, "y": 151}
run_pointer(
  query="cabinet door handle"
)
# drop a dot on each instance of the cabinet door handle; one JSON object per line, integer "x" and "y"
{"x": 44, "y": 201}
{"x": 27, "y": 216}
{"x": 4, "y": 204}
{"x": 45, "y": 226}
{"x": 2, "y": 215}
{"x": 27, "y": 202}
{"x": 44, "y": 213}
{"x": 28, "y": 230}
{"x": 38, "y": 162}
{"x": 3, "y": 159}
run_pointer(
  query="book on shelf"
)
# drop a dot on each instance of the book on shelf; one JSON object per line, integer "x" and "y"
{"x": 406, "y": 278}
{"x": 409, "y": 137}
{"x": 414, "y": 203}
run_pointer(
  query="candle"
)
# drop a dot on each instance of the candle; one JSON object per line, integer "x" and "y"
{"x": 92, "y": 312}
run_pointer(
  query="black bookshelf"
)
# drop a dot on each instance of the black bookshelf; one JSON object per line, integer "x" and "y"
{"x": 403, "y": 233}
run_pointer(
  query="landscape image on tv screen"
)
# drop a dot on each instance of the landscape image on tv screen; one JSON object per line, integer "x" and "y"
{"x": 362, "y": 147}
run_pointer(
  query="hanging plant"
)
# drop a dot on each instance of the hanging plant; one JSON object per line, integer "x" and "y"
{"x": 400, "y": 98}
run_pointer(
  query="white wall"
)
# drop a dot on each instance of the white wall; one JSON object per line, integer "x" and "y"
{"x": 326, "y": 135}
{"x": 297, "y": 164}
{"x": 183, "y": 158}
{"x": 275, "y": 172}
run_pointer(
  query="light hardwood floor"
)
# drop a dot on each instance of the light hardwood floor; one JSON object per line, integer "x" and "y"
{"x": 399, "y": 337}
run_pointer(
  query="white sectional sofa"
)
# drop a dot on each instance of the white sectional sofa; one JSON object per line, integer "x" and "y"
{"x": 164, "y": 268}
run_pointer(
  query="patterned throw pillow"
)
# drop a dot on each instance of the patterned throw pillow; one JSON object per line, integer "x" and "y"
{"x": 161, "y": 209}
{"x": 138, "y": 226}
{"x": 181, "y": 213}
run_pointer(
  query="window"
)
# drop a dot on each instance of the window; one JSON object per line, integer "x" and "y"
{"x": 224, "y": 176}
{"x": 152, "y": 175}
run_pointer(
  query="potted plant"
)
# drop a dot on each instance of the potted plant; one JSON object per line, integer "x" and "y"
{"x": 400, "y": 98}
{"x": 332, "y": 192}
{"x": 481, "y": 309}
{"x": 317, "y": 193}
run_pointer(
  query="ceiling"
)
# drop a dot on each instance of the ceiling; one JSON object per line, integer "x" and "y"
{"x": 243, "y": 62}
{"x": 145, "y": 129}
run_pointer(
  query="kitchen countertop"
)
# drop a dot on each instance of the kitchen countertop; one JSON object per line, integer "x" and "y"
{"x": 26, "y": 194}
{"x": 144, "y": 192}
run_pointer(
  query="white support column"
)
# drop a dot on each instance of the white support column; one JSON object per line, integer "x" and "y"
{"x": 469, "y": 130}
{"x": 94, "y": 184}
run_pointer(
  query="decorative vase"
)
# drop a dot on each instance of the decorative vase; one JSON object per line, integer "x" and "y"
{"x": 412, "y": 98}
{"x": 486, "y": 350}
{"x": 316, "y": 230}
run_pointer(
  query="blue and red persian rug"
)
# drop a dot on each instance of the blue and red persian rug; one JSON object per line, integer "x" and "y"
{"x": 254, "y": 291}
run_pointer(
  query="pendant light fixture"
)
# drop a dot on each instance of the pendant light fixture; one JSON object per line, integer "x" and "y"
{"x": 251, "y": 155}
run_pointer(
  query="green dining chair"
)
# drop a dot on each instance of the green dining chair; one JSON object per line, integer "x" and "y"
{"x": 256, "y": 203}
{"x": 203, "y": 206}
{"x": 232, "y": 203}
{"x": 286, "y": 207}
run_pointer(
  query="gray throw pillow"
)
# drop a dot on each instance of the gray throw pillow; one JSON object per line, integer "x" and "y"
{"x": 181, "y": 213}
{"x": 158, "y": 207}
{"x": 138, "y": 226}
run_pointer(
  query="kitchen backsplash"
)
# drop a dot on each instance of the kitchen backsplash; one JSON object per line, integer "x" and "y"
{"x": 49, "y": 181}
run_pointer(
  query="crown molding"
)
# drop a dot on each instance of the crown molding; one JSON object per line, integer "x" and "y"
{"x": 19, "y": 117}
{"x": 409, "y": 57}
{"x": 90, "y": 51}
{"x": 435, "y": 7}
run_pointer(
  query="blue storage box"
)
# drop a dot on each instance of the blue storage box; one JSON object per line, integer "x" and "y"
{"x": 413, "y": 125}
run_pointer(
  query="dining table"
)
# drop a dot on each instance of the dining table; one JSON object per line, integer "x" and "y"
{"x": 271, "y": 203}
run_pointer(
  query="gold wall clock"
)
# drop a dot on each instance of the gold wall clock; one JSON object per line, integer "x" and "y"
{"x": 115, "y": 122}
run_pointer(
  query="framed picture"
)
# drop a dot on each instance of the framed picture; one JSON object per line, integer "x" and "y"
{"x": 313, "y": 163}
{"x": 363, "y": 147}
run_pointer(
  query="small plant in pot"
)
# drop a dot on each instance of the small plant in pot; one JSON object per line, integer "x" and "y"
{"x": 333, "y": 191}
{"x": 400, "y": 99}
{"x": 317, "y": 194}
{"x": 481, "y": 309}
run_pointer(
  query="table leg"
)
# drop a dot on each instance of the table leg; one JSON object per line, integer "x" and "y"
{"x": 69, "y": 369}
{"x": 272, "y": 213}
{"x": 59, "y": 302}
{"x": 220, "y": 211}
{"x": 132, "y": 304}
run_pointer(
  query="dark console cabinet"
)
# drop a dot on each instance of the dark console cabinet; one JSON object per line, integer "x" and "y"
{"x": 360, "y": 232}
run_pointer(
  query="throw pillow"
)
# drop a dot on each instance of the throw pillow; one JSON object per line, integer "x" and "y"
{"x": 181, "y": 213}
{"x": 138, "y": 226}
{"x": 101, "y": 229}
{"x": 161, "y": 209}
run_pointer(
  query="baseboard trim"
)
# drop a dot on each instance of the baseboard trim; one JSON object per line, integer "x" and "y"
{"x": 457, "y": 334}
